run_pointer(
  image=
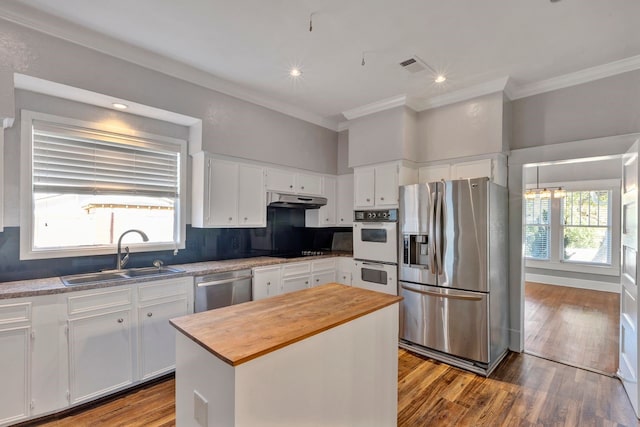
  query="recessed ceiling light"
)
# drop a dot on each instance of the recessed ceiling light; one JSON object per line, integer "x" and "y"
{"x": 295, "y": 72}
{"x": 120, "y": 106}
{"x": 440, "y": 78}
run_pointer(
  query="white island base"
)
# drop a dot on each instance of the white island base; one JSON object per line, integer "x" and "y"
{"x": 343, "y": 376}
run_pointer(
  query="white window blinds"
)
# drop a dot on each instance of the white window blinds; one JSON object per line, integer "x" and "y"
{"x": 74, "y": 160}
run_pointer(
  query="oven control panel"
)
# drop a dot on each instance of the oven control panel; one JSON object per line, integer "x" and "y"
{"x": 384, "y": 215}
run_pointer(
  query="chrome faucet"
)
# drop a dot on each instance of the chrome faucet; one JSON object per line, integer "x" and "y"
{"x": 122, "y": 261}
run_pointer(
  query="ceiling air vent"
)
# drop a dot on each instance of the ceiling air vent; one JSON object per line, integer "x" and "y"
{"x": 413, "y": 65}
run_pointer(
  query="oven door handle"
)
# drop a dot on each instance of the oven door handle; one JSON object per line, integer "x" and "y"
{"x": 375, "y": 264}
{"x": 440, "y": 295}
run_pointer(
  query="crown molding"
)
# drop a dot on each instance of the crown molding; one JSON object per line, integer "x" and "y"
{"x": 579, "y": 77}
{"x": 470, "y": 92}
{"x": 343, "y": 126}
{"x": 375, "y": 107}
{"x": 79, "y": 35}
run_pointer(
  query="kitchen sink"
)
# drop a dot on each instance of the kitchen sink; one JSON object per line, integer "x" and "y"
{"x": 116, "y": 275}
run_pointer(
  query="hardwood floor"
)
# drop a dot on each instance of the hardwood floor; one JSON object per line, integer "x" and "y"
{"x": 523, "y": 391}
{"x": 575, "y": 326}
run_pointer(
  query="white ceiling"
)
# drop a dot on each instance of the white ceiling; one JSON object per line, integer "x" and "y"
{"x": 253, "y": 43}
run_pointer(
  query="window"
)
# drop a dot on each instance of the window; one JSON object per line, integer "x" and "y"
{"x": 579, "y": 232}
{"x": 586, "y": 227}
{"x": 537, "y": 213}
{"x": 86, "y": 185}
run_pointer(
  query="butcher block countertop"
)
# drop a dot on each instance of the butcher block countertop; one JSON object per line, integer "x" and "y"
{"x": 240, "y": 333}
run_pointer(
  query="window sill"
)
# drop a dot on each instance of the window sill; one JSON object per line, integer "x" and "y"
{"x": 574, "y": 267}
{"x": 100, "y": 250}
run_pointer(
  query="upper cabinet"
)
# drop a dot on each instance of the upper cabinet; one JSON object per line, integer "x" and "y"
{"x": 344, "y": 208}
{"x": 326, "y": 215}
{"x": 287, "y": 181}
{"x": 227, "y": 193}
{"x": 494, "y": 168}
{"x": 377, "y": 186}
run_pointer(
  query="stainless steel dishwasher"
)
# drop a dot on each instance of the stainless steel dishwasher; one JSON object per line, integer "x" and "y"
{"x": 222, "y": 289}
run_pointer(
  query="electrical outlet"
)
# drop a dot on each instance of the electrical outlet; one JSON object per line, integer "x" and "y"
{"x": 200, "y": 409}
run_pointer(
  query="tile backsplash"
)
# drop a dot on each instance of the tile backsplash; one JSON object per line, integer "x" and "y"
{"x": 285, "y": 232}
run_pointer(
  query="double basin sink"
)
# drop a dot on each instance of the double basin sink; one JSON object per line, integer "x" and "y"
{"x": 116, "y": 275}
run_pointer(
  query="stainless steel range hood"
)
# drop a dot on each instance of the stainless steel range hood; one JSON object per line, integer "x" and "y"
{"x": 283, "y": 200}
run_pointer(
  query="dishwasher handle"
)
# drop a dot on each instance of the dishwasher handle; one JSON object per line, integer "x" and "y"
{"x": 223, "y": 281}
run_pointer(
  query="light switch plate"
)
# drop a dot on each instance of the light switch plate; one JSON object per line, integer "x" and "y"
{"x": 200, "y": 409}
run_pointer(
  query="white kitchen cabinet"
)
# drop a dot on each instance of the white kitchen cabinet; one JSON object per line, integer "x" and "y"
{"x": 100, "y": 353}
{"x": 344, "y": 204}
{"x": 227, "y": 193}
{"x": 345, "y": 268}
{"x": 15, "y": 360}
{"x": 377, "y": 186}
{"x": 323, "y": 271}
{"x": 100, "y": 342}
{"x": 434, "y": 173}
{"x": 326, "y": 215}
{"x": 296, "y": 283}
{"x": 157, "y": 303}
{"x": 364, "y": 187}
{"x": 266, "y": 282}
{"x": 494, "y": 168}
{"x": 288, "y": 181}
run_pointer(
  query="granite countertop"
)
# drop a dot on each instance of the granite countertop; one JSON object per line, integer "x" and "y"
{"x": 54, "y": 285}
{"x": 242, "y": 332}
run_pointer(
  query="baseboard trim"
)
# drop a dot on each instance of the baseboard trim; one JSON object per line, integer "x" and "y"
{"x": 573, "y": 283}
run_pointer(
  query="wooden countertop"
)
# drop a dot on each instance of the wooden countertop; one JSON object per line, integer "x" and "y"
{"x": 243, "y": 332}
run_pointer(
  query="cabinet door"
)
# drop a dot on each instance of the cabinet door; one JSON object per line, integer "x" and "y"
{"x": 344, "y": 209}
{"x": 223, "y": 193}
{"x": 434, "y": 173}
{"x": 157, "y": 338}
{"x": 327, "y": 213}
{"x": 473, "y": 169}
{"x": 291, "y": 284}
{"x": 281, "y": 180}
{"x": 386, "y": 185}
{"x": 309, "y": 184}
{"x": 100, "y": 354}
{"x": 344, "y": 278}
{"x": 322, "y": 277}
{"x": 364, "y": 187}
{"x": 14, "y": 371}
{"x": 266, "y": 282}
{"x": 252, "y": 205}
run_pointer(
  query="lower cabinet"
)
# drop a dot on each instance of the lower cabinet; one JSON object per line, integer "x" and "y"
{"x": 101, "y": 353}
{"x": 266, "y": 282}
{"x": 291, "y": 284}
{"x": 157, "y": 338}
{"x": 15, "y": 361}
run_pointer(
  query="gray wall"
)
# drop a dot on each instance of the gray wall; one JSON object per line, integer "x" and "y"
{"x": 377, "y": 138}
{"x": 230, "y": 126}
{"x": 467, "y": 128}
{"x": 343, "y": 153}
{"x": 605, "y": 107}
{"x": 578, "y": 171}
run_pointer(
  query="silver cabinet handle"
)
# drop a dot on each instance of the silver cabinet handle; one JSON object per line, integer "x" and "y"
{"x": 120, "y": 320}
{"x": 381, "y": 198}
{"x": 245, "y": 218}
{"x": 291, "y": 186}
{"x": 302, "y": 187}
{"x": 149, "y": 314}
{"x": 268, "y": 283}
{"x": 306, "y": 282}
{"x": 230, "y": 218}
{"x": 368, "y": 200}
{"x": 223, "y": 281}
{"x": 439, "y": 295}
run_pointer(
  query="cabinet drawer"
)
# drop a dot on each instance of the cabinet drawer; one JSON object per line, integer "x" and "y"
{"x": 97, "y": 300}
{"x": 163, "y": 288}
{"x": 323, "y": 264}
{"x": 296, "y": 269}
{"x": 18, "y": 312}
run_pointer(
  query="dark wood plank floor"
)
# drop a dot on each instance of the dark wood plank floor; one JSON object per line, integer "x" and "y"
{"x": 575, "y": 326}
{"x": 523, "y": 391}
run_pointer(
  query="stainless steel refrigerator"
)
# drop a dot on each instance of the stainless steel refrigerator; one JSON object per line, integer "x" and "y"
{"x": 453, "y": 272}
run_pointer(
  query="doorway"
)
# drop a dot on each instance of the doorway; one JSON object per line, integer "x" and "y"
{"x": 571, "y": 239}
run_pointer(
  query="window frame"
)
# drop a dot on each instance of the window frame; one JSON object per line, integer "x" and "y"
{"x": 27, "y": 251}
{"x": 556, "y": 262}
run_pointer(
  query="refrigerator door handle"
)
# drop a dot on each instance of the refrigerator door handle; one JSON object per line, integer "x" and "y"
{"x": 438, "y": 228}
{"x": 432, "y": 234}
{"x": 439, "y": 295}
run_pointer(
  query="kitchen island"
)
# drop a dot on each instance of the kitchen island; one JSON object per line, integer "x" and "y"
{"x": 321, "y": 356}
